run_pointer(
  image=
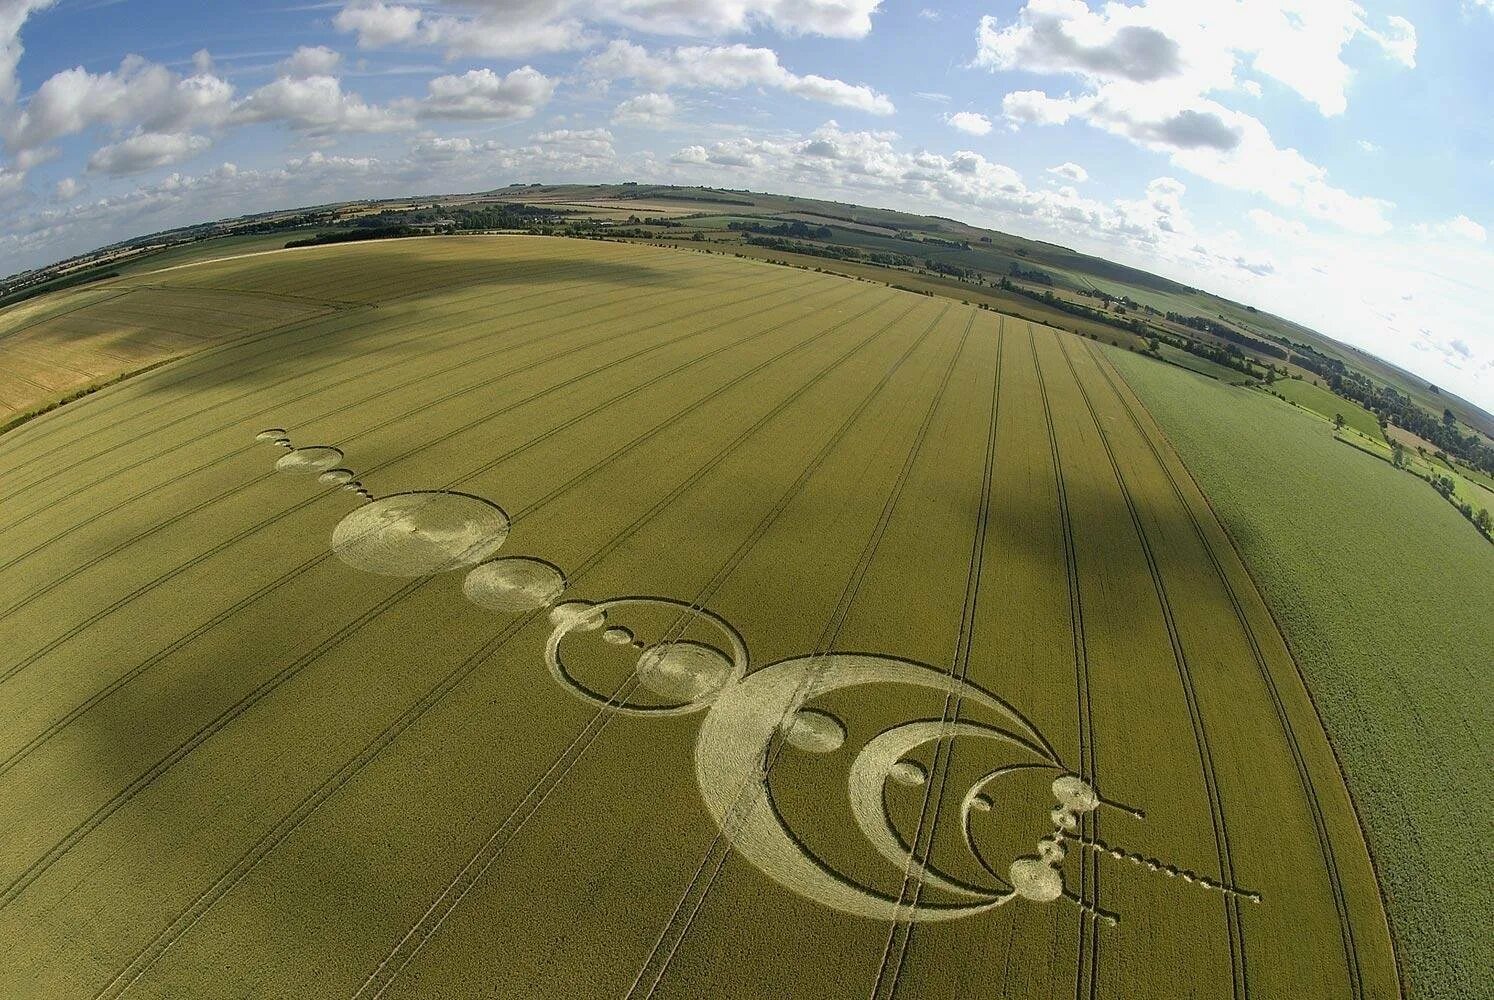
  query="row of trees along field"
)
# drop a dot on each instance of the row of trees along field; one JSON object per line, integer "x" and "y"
{"x": 1393, "y": 406}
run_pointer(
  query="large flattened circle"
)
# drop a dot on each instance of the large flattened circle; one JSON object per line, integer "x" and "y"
{"x": 515, "y": 584}
{"x": 421, "y": 533}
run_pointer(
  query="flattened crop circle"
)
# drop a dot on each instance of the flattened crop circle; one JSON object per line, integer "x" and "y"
{"x": 514, "y": 584}
{"x": 420, "y": 533}
{"x": 309, "y": 461}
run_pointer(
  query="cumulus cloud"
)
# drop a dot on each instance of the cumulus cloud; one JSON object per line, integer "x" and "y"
{"x": 482, "y": 94}
{"x": 508, "y": 28}
{"x": 1062, "y": 36}
{"x": 1458, "y": 228}
{"x": 969, "y": 122}
{"x": 1274, "y": 225}
{"x": 1071, "y": 172}
{"x": 145, "y": 151}
{"x": 67, "y": 189}
{"x": 1194, "y": 48}
{"x": 859, "y": 164}
{"x": 1033, "y": 107}
{"x": 1147, "y": 73}
{"x": 13, "y": 14}
{"x": 311, "y": 60}
{"x": 727, "y": 67}
{"x": 378, "y": 25}
{"x": 139, "y": 92}
{"x": 590, "y": 144}
{"x": 316, "y": 105}
{"x": 645, "y": 109}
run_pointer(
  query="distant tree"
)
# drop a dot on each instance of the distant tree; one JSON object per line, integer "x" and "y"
{"x": 1154, "y": 345}
{"x": 1448, "y": 419}
{"x": 1338, "y": 421}
{"x": 1398, "y": 454}
{"x": 1482, "y": 521}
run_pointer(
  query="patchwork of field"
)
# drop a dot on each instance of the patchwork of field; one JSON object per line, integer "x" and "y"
{"x": 1385, "y": 591}
{"x": 579, "y": 619}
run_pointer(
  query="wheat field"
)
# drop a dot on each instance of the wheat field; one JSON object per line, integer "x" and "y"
{"x": 511, "y": 616}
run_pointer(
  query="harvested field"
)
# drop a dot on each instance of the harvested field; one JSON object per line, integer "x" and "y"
{"x": 595, "y": 620}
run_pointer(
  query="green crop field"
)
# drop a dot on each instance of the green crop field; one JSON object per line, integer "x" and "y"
{"x": 1384, "y": 590}
{"x": 1203, "y": 366}
{"x": 541, "y": 617}
{"x": 1327, "y": 405}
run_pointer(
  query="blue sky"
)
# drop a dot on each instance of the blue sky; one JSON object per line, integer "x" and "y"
{"x": 1329, "y": 160}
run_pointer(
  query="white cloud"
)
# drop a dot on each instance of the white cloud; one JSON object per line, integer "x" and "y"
{"x": 727, "y": 67}
{"x": 1366, "y": 146}
{"x": 1460, "y": 227}
{"x": 483, "y": 94}
{"x": 67, "y": 189}
{"x": 1191, "y": 48}
{"x": 592, "y": 144}
{"x": 146, "y": 151}
{"x": 510, "y": 28}
{"x": 13, "y": 14}
{"x": 929, "y": 14}
{"x": 645, "y": 109}
{"x": 1251, "y": 87}
{"x": 378, "y": 24}
{"x": 1398, "y": 40}
{"x": 139, "y": 92}
{"x": 12, "y": 179}
{"x": 969, "y": 122}
{"x": 1274, "y": 225}
{"x": 929, "y": 95}
{"x": 1033, "y": 107}
{"x": 1070, "y": 171}
{"x": 1147, "y": 72}
{"x": 316, "y": 105}
{"x": 832, "y": 18}
{"x": 311, "y": 60}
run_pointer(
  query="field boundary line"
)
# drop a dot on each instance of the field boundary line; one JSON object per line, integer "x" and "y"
{"x": 10, "y": 671}
{"x": 371, "y": 750}
{"x": 471, "y": 294}
{"x": 695, "y": 892}
{"x": 326, "y": 415}
{"x": 315, "y": 390}
{"x": 129, "y": 675}
{"x": 477, "y": 308}
{"x": 1238, "y": 973}
{"x": 1325, "y": 844}
{"x": 11, "y": 891}
{"x": 1086, "y": 972}
{"x": 478, "y": 865}
{"x": 900, "y": 932}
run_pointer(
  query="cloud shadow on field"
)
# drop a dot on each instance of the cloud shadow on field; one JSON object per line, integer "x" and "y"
{"x": 451, "y": 295}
